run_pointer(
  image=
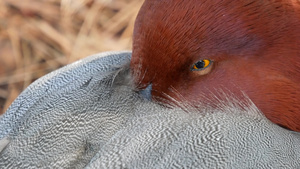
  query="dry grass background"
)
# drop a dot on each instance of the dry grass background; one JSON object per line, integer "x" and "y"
{"x": 39, "y": 36}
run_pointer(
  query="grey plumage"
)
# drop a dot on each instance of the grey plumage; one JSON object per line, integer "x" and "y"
{"x": 88, "y": 115}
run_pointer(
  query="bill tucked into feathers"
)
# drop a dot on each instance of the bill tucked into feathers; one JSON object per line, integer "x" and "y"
{"x": 90, "y": 115}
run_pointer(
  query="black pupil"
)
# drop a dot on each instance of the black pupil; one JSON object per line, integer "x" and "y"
{"x": 200, "y": 64}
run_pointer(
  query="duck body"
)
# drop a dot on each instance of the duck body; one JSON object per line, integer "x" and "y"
{"x": 90, "y": 115}
{"x": 253, "y": 47}
{"x": 61, "y": 120}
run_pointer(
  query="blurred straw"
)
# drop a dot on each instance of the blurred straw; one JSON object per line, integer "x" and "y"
{"x": 39, "y": 36}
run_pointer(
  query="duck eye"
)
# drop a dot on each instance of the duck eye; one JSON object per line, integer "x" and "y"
{"x": 202, "y": 64}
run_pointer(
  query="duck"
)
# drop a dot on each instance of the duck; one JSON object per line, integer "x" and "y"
{"x": 90, "y": 115}
{"x": 196, "y": 52}
{"x": 104, "y": 112}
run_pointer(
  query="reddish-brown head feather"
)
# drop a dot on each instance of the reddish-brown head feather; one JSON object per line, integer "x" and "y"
{"x": 254, "y": 46}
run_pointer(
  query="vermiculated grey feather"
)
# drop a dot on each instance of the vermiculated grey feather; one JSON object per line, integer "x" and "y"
{"x": 88, "y": 115}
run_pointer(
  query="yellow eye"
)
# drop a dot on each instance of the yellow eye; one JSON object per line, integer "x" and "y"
{"x": 202, "y": 64}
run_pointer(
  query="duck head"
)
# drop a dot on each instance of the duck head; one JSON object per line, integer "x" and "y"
{"x": 190, "y": 50}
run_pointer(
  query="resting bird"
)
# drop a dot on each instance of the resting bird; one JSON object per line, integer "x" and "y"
{"x": 90, "y": 115}
{"x": 191, "y": 51}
